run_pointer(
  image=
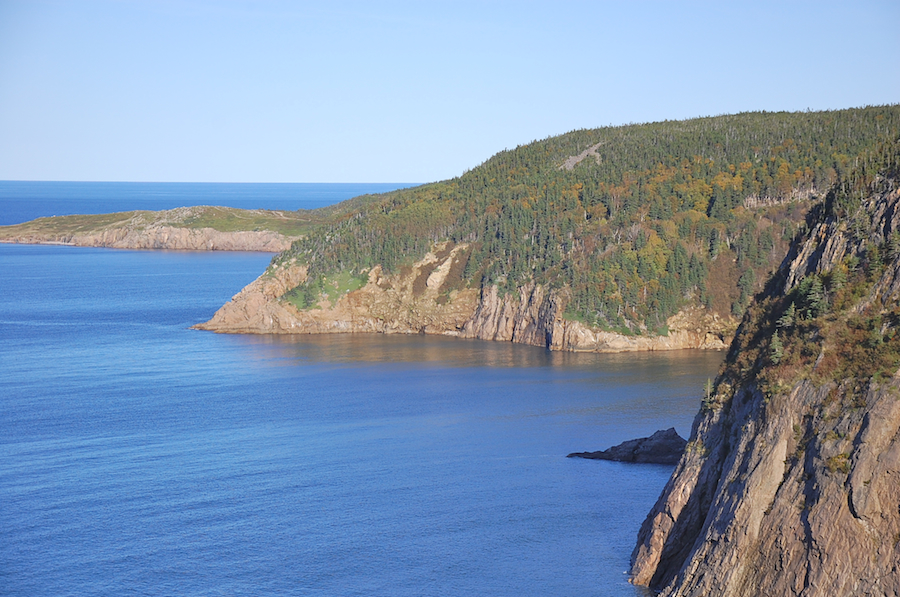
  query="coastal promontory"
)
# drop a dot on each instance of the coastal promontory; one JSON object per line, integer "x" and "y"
{"x": 201, "y": 228}
{"x": 638, "y": 237}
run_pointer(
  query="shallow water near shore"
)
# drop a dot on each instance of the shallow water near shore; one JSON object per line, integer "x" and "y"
{"x": 139, "y": 456}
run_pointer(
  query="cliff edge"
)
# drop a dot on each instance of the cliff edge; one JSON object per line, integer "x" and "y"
{"x": 790, "y": 483}
{"x": 429, "y": 298}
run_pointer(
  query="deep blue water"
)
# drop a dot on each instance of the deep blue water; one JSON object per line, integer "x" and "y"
{"x": 21, "y": 201}
{"x": 138, "y": 456}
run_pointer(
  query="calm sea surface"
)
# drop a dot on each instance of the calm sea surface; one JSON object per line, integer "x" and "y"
{"x": 140, "y": 457}
{"x": 21, "y": 201}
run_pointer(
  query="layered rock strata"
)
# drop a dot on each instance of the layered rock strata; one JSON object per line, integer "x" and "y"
{"x": 402, "y": 303}
{"x": 793, "y": 490}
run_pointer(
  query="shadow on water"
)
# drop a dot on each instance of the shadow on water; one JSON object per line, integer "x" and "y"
{"x": 449, "y": 352}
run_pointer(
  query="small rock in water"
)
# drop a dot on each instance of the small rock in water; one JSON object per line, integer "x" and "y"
{"x": 663, "y": 447}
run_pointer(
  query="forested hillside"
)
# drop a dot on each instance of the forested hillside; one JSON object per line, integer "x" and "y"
{"x": 629, "y": 222}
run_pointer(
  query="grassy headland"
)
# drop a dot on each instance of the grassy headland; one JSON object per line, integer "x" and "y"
{"x": 223, "y": 219}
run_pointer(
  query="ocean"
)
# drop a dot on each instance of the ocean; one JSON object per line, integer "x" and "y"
{"x": 25, "y": 200}
{"x": 140, "y": 457}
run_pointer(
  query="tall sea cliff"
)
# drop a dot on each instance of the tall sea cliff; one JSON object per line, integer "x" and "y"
{"x": 790, "y": 484}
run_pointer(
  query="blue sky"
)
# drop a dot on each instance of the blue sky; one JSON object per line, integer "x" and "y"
{"x": 270, "y": 91}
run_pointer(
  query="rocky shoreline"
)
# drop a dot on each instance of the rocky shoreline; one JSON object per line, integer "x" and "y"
{"x": 402, "y": 304}
{"x": 165, "y": 238}
{"x": 197, "y": 228}
{"x": 663, "y": 447}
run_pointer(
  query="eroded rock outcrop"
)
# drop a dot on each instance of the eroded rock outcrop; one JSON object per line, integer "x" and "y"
{"x": 427, "y": 298}
{"x": 663, "y": 447}
{"x": 411, "y": 302}
{"x": 255, "y": 309}
{"x": 790, "y": 483}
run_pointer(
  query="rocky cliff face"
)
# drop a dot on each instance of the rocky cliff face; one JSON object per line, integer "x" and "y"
{"x": 790, "y": 484}
{"x": 408, "y": 303}
{"x": 425, "y": 299}
{"x": 256, "y": 308}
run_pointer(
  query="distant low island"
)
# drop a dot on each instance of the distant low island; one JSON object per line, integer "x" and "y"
{"x": 201, "y": 228}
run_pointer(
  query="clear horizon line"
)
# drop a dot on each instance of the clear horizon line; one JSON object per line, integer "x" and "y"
{"x": 211, "y": 182}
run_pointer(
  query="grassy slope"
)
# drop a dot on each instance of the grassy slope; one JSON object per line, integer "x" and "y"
{"x": 224, "y": 219}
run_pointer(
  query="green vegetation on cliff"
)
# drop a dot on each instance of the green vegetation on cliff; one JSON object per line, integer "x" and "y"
{"x": 792, "y": 469}
{"x": 833, "y": 324}
{"x": 631, "y": 222}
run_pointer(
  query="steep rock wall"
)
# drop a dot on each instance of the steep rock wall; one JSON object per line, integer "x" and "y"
{"x": 762, "y": 502}
{"x": 410, "y": 303}
{"x": 791, "y": 492}
{"x": 402, "y": 303}
{"x": 255, "y": 309}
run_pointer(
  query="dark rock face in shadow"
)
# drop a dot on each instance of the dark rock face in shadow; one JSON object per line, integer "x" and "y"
{"x": 663, "y": 447}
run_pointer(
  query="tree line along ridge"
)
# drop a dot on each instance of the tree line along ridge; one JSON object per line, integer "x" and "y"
{"x": 652, "y": 218}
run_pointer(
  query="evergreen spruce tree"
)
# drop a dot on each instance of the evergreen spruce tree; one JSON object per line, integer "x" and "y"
{"x": 786, "y": 321}
{"x": 776, "y": 352}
